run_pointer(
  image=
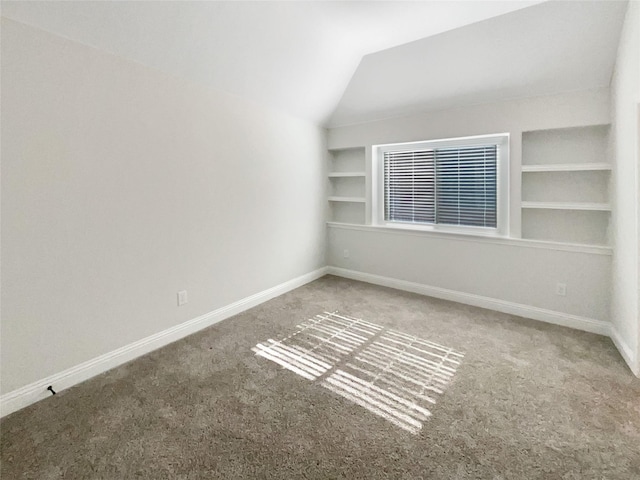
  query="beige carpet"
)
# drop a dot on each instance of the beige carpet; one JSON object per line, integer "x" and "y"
{"x": 340, "y": 379}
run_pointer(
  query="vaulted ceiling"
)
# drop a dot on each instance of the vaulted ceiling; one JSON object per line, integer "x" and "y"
{"x": 545, "y": 49}
{"x": 344, "y": 62}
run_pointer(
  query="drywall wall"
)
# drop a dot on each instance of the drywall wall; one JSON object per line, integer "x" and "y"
{"x": 625, "y": 89}
{"x": 521, "y": 274}
{"x": 122, "y": 186}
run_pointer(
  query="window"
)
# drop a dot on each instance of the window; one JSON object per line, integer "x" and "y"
{"x": 445, "y": 184}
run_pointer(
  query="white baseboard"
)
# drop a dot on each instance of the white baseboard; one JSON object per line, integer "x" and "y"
{"x": 521, "y": 310}
{"x": 36, "y": 391}
{"x": 626, "y": 351}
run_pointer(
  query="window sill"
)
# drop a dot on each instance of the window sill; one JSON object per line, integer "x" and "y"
{"x": 476, "y": 238}
{"x": 443, "y": 229}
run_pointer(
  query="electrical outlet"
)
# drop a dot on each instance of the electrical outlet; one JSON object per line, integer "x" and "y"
{"x": 346, "y": 253}
{"x": 561, "y": 289}
{"x": 182, "y": 297}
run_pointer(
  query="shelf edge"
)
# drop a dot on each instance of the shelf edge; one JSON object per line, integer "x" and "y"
{"x": 590, "y": 207}
{"x": 347, "y": 199}
{"x": 568, "y": 167}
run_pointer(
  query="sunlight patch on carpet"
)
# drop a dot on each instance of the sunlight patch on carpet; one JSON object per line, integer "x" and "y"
{"x": 393, "y": 375}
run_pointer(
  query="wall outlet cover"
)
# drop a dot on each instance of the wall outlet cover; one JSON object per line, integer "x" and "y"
{"x": 182, "y": 297}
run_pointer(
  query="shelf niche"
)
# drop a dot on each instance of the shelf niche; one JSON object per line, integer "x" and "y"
{"x": 565, "y": 185}
{"x": 347, "y": 185}
{"x": 585, "y": 227}
{"x": 590, "y": 186}
{"x": 347, "y": 212}
{"x": 565, "y": 146}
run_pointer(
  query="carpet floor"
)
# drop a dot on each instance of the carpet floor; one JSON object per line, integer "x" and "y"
{"x": 394, "y": 385}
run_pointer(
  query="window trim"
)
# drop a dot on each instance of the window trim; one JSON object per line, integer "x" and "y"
{"x": 502, "y": 140}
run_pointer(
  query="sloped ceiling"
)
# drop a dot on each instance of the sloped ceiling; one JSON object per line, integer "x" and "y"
{"x": 544, "y": 49}
{"x": 294, "y": 56}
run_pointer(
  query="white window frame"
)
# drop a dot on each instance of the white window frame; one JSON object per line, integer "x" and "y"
{"x": 502, "y": 187}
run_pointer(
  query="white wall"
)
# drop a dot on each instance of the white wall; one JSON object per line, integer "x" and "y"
{"x": 122, "y": 186}
{"x": 522, "y": 273}
{"x": 625, "y": 100}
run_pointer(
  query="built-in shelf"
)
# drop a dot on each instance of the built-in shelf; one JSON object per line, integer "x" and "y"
{"x": 347, "y": 185}
{"x": 346, "y": 174}
{"x": 347, "y": 199}
{"x": 567, "y": 167}
{"x": 603, "y": 207}
{"x": 565, "y": 185}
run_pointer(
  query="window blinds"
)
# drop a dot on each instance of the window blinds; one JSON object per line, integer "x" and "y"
{"x": 450, "y": 185}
